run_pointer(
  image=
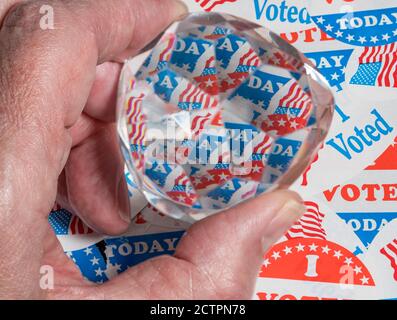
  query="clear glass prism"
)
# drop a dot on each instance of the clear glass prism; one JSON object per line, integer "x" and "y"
{"x": 217, "y": 112}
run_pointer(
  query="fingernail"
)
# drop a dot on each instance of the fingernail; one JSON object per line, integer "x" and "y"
{"x": 124, "y": 201}
{"x": 289, "y": 213}
{"x": 180, "y": 8}
{"x": 125, "y": 215}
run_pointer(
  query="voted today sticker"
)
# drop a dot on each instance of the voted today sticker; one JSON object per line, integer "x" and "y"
{"x": 357, "y": 22}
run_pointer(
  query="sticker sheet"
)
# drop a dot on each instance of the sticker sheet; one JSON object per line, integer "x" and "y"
{"x": 345, "y": 245}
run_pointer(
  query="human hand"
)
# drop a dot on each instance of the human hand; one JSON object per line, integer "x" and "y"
{"x": 58, "y": 142}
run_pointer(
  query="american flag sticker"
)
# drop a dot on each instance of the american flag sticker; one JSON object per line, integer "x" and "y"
{"x": 293, "y": 111}
{"x": 66, "y": 223}
{"x": 355, "y": 26}
{"x": 390, "y": 252}
{"x": 310, "y": 225}
{"x": 377, "y": 67}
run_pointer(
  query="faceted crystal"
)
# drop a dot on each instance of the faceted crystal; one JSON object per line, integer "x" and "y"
{"x": 217, "y": 112}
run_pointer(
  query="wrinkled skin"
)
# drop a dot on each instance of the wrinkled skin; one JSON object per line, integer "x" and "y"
{"x": 58, "y": 142}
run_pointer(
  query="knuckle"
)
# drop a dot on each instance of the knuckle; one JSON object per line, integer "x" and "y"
{"x": 21, "y": 43}
{"x": 25, "y": 15}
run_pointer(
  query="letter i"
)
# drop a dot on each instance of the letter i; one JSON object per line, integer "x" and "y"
{"x": 311, "y": 266}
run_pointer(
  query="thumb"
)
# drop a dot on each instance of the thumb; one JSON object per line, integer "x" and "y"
{"x": 217, "y": 258}
{"x": 229, "y": 247}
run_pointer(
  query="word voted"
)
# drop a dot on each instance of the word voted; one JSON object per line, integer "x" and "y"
{"x": 308, "y": 36}
{"x": 367, "y": 192}
{"x": 361, "y": 139}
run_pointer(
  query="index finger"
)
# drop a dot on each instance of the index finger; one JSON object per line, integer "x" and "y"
{"x": 85, "y": 33}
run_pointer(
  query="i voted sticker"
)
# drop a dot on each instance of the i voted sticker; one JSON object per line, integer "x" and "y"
{"x": 360, "y": 132}
{"x": 357, "y": 22}
{"x": 313, "y": 269}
